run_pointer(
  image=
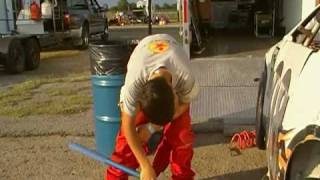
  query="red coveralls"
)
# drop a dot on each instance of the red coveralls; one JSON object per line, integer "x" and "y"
{"x": 176, "y": 148}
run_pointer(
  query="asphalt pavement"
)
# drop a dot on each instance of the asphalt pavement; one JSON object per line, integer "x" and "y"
{"x": 139, "y": 32}
{"x": 36, "y": 147}
{"x": 226, "y": 72}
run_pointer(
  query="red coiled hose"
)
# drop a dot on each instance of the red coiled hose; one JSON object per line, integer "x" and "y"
{"x": 243, "y": 140}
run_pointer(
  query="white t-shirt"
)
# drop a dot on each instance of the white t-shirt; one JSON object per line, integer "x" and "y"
{"x": 152, "y": 53}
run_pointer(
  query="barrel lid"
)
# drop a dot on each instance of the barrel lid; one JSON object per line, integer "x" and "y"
{"x": 108, "y": 80}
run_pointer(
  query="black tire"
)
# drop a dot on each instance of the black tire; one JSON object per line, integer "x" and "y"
{"x": 15, "y": 60}
{"x": 32, "y": 52}
{"x": 85, "y": 36}
{"x": 260, "y": 123}
{"x": 304, "y": 162}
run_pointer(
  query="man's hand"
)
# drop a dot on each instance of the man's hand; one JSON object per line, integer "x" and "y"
{"x": 128, "y": 127}
{"x": 144, "y": 132}
{"x": 147, "y": 173}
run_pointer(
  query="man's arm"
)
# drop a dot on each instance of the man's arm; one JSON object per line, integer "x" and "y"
{"x": 183, "y": 104}
{"x": 128, "y": 127}
{"x": 180, "y": 109}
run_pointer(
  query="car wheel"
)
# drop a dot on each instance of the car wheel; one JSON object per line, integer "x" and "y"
{"x": 15, "y": 60}
{"x": 305, "y": 162}
{"x": 260, "y": 127}
{"x": 32, "y": 52}
{"x": 85, "y": 36}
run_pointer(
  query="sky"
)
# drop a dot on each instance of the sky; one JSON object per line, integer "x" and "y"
{"x": 115, "y": 2}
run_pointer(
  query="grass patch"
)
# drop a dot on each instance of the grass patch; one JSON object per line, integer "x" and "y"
{"x": 66, "y": 105}
{"x": 51, "y": 95}
{"x": 58, "y": 54}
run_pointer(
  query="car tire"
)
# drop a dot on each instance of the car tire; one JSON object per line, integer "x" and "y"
{"x": 305, "y": 162}
{"x": 85, "y": 34}
{"x": 260, "y": 123}
{"x": 15, "y": 60}
{"x": 32, "y": 52}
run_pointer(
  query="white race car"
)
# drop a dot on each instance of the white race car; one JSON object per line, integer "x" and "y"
{"x": 288, "y": 105}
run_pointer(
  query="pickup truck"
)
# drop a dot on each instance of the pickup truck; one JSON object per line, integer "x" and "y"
{"x": 77, "y": 20}
{"x": 86, "y": 17}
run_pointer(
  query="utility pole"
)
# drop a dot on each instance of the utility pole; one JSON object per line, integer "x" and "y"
{"x": 150, "y": 17}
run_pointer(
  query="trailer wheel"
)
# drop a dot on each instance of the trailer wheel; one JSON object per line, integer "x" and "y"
{"x": 15, "y": 60}
{"x": 260, "y": 127}
{"x": 32, "y": 51}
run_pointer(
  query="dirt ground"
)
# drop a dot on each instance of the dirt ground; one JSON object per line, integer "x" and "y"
{"x": 48, "y": 157}
{"x": 36, "y": 147}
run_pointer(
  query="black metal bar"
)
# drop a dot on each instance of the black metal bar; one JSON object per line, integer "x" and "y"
{"x": 150, "y": 18}
{"x": 6, "y": 14}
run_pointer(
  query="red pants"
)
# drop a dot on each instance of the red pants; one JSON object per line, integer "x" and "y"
{"x": 176, "y": 148}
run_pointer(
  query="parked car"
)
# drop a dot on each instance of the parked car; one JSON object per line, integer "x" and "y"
{"x": 288, "y": 105}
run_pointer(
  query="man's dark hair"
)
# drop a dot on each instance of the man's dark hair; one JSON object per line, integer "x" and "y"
{"x": 157, "y": 101}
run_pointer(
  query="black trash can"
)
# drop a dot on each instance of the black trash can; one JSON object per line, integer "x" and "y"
{"x": 109, "y": 57}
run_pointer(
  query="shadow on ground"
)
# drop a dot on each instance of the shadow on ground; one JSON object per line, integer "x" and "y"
{"x": 252, "y": 174}
{"x": 56, "y": 64}
{"x": 224, "y": 127}
{"x": 230, "y": 42}
{"x": 201, "y": 139}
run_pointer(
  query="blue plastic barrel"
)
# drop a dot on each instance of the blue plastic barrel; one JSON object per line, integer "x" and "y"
{"x": 108, "y": 60}
{"x": 106, "y": 93}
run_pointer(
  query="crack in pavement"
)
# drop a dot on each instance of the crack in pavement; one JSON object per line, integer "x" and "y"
{"x": 62, "y": 134}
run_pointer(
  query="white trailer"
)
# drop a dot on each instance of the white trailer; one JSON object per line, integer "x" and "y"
{"x": 186, "y": 34}
{"x": 17, "y": 52}
{"x": 191, "y": 36}
{"x": 28, "y": 25}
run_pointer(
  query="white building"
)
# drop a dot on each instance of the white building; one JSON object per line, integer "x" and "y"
{"x": 296, "y": 10}
{"x": 141, "y": 3}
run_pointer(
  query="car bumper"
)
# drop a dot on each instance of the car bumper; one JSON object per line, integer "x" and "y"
{"x": 75, "y": 33}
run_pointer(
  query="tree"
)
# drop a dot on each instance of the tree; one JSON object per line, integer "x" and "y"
{"x": 174, "y": 6}
{"x": 105, "y": 6}
{"x": 166, "y": 6}
{"x": 132, "y": 5}
{"x": 114, "y": 8}
{"x": 123, "y": 5}
{"x": 157, "y": 6}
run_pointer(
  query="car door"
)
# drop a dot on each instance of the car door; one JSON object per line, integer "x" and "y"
{"x": 291, "y": 58}
{"x": 98, "y": 21}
